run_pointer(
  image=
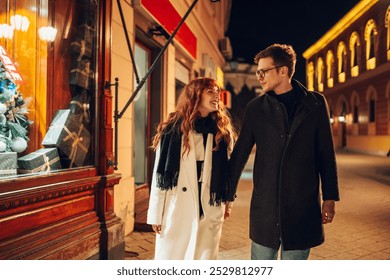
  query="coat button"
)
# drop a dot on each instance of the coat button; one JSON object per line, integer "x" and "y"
{"x": 184, "y": 189}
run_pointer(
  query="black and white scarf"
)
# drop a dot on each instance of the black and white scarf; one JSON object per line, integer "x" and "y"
{"x": 169, "y": 164}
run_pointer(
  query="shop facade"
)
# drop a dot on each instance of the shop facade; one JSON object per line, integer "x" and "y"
{"x": 64, "y": 192}
{"x": 57, "y": 182}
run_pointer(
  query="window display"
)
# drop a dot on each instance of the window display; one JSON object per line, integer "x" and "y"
{"x": 47, "y": 85}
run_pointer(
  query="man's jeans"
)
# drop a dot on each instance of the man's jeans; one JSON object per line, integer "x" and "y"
{"x": 259, "y": 252}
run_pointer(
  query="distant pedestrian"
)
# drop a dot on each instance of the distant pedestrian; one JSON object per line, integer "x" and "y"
{"x": 190, "y": 179}
{"x": 294, "y": 152}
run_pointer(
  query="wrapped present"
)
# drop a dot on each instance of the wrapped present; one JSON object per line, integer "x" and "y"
{"x": 42, "y": 160}
{"x": 81, "y": 75}
{"x": 81, "y": 49}
{"x": 80, "y": 106}
{"x": 70, "y": 137}
{"x": 87, "y": 32}
{"x": 52, "y": 137}
{"x": 8, "y": 163}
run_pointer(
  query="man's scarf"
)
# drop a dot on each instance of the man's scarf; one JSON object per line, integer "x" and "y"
{"x": 169, "y": 164}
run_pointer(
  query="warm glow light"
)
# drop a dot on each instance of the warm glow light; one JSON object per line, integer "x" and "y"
{"x": 331, "y": 120}
{"x": 6, "y": 31}
{"x": 47, "y": 33}
{"x": 19, "y": 22}
{"x": 341, "y": 118}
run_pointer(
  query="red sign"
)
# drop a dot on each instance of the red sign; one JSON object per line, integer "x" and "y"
{"x": 9, "y": 65}
{"x": 169, "y": 18}
{"x": 226, "y": 99}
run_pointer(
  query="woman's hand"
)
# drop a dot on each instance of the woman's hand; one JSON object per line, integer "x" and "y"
{"x": 228, "y": 209}
{"x": 157, "y": 228}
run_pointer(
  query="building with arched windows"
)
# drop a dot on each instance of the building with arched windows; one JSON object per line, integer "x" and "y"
{"x": 350, "y": 65}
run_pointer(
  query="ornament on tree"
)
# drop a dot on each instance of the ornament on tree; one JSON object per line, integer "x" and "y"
{"x": 3, "y": 109}
{"x": 13, "y": 115}
{"x": 18, "y": 144}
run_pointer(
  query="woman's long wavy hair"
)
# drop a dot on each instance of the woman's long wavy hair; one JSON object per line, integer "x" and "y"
{"x": 187, "y": 112}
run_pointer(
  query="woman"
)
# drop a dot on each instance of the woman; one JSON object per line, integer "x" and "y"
{"x": 189, "y": 187}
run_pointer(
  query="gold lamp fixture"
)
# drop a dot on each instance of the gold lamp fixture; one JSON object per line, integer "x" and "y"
{"x": 19, "y": 22}
{"x": 6, "y": 31}
{"x": 47, "y": 33}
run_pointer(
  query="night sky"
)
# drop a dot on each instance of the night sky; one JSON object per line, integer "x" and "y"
{"x": 256, "y": 24}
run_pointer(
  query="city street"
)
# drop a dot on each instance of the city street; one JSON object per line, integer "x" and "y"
{"x": 361, "y": 229}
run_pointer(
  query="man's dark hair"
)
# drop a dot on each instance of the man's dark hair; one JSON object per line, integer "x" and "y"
{"x": 282, "y": 54}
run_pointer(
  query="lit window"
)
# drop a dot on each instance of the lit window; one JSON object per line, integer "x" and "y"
{"x": 341, "y": 58}
{"x": 330, "y": 68}
{"x": 387, "y": 25}
{"x": 310, "y": 76}
{"x": 320, "y": 74}
{"x": 354, "y": 46}
{"x": 370, "y": 36}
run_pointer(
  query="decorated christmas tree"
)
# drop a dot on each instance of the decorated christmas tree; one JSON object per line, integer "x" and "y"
{"x": 13, "y": 115}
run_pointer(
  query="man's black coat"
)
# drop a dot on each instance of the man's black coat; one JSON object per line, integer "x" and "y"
{"x": 290, "y": 162}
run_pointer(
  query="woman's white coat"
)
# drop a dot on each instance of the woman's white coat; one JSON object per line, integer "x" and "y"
{"x": 184, "y": 235}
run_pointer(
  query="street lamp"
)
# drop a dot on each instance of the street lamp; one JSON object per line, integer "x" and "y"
{"x": 342, "y": 118}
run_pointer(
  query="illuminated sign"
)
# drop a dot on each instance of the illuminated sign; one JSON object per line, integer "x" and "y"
{"x": 9, "y": 65}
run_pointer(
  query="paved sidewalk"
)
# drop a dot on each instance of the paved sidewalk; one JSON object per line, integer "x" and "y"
{"x": 361, "y": 229}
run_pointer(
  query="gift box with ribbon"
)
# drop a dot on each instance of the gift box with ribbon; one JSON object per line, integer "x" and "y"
{"x": 8, "y": 164}
{"x": 81, "y": 74}
{"x": 42, "y": 160}
{"x": 70, "y": 137}
{"x": 80, "y": 106}
{"x": 87, "y": 33}
{"x": 81, "y": 49}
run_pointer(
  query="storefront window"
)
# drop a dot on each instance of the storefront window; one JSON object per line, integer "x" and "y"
{"x": 47, "y": 85}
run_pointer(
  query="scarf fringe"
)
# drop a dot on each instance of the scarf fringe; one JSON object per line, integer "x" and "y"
{"x": 217, "y": 199}
{"x": 167, "y": 181}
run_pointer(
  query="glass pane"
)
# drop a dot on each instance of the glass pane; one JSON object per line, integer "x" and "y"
{"x": 140, "y": 117}
{"x": 372, "y": 110}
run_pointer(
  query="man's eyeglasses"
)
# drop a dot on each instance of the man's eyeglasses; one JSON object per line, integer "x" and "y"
{"x": 260, "y": 73}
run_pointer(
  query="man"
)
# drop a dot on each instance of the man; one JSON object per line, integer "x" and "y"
{"x": 294, "y": 151}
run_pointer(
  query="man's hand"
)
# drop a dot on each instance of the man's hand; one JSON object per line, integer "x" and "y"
{"x": 328, "y": 211}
